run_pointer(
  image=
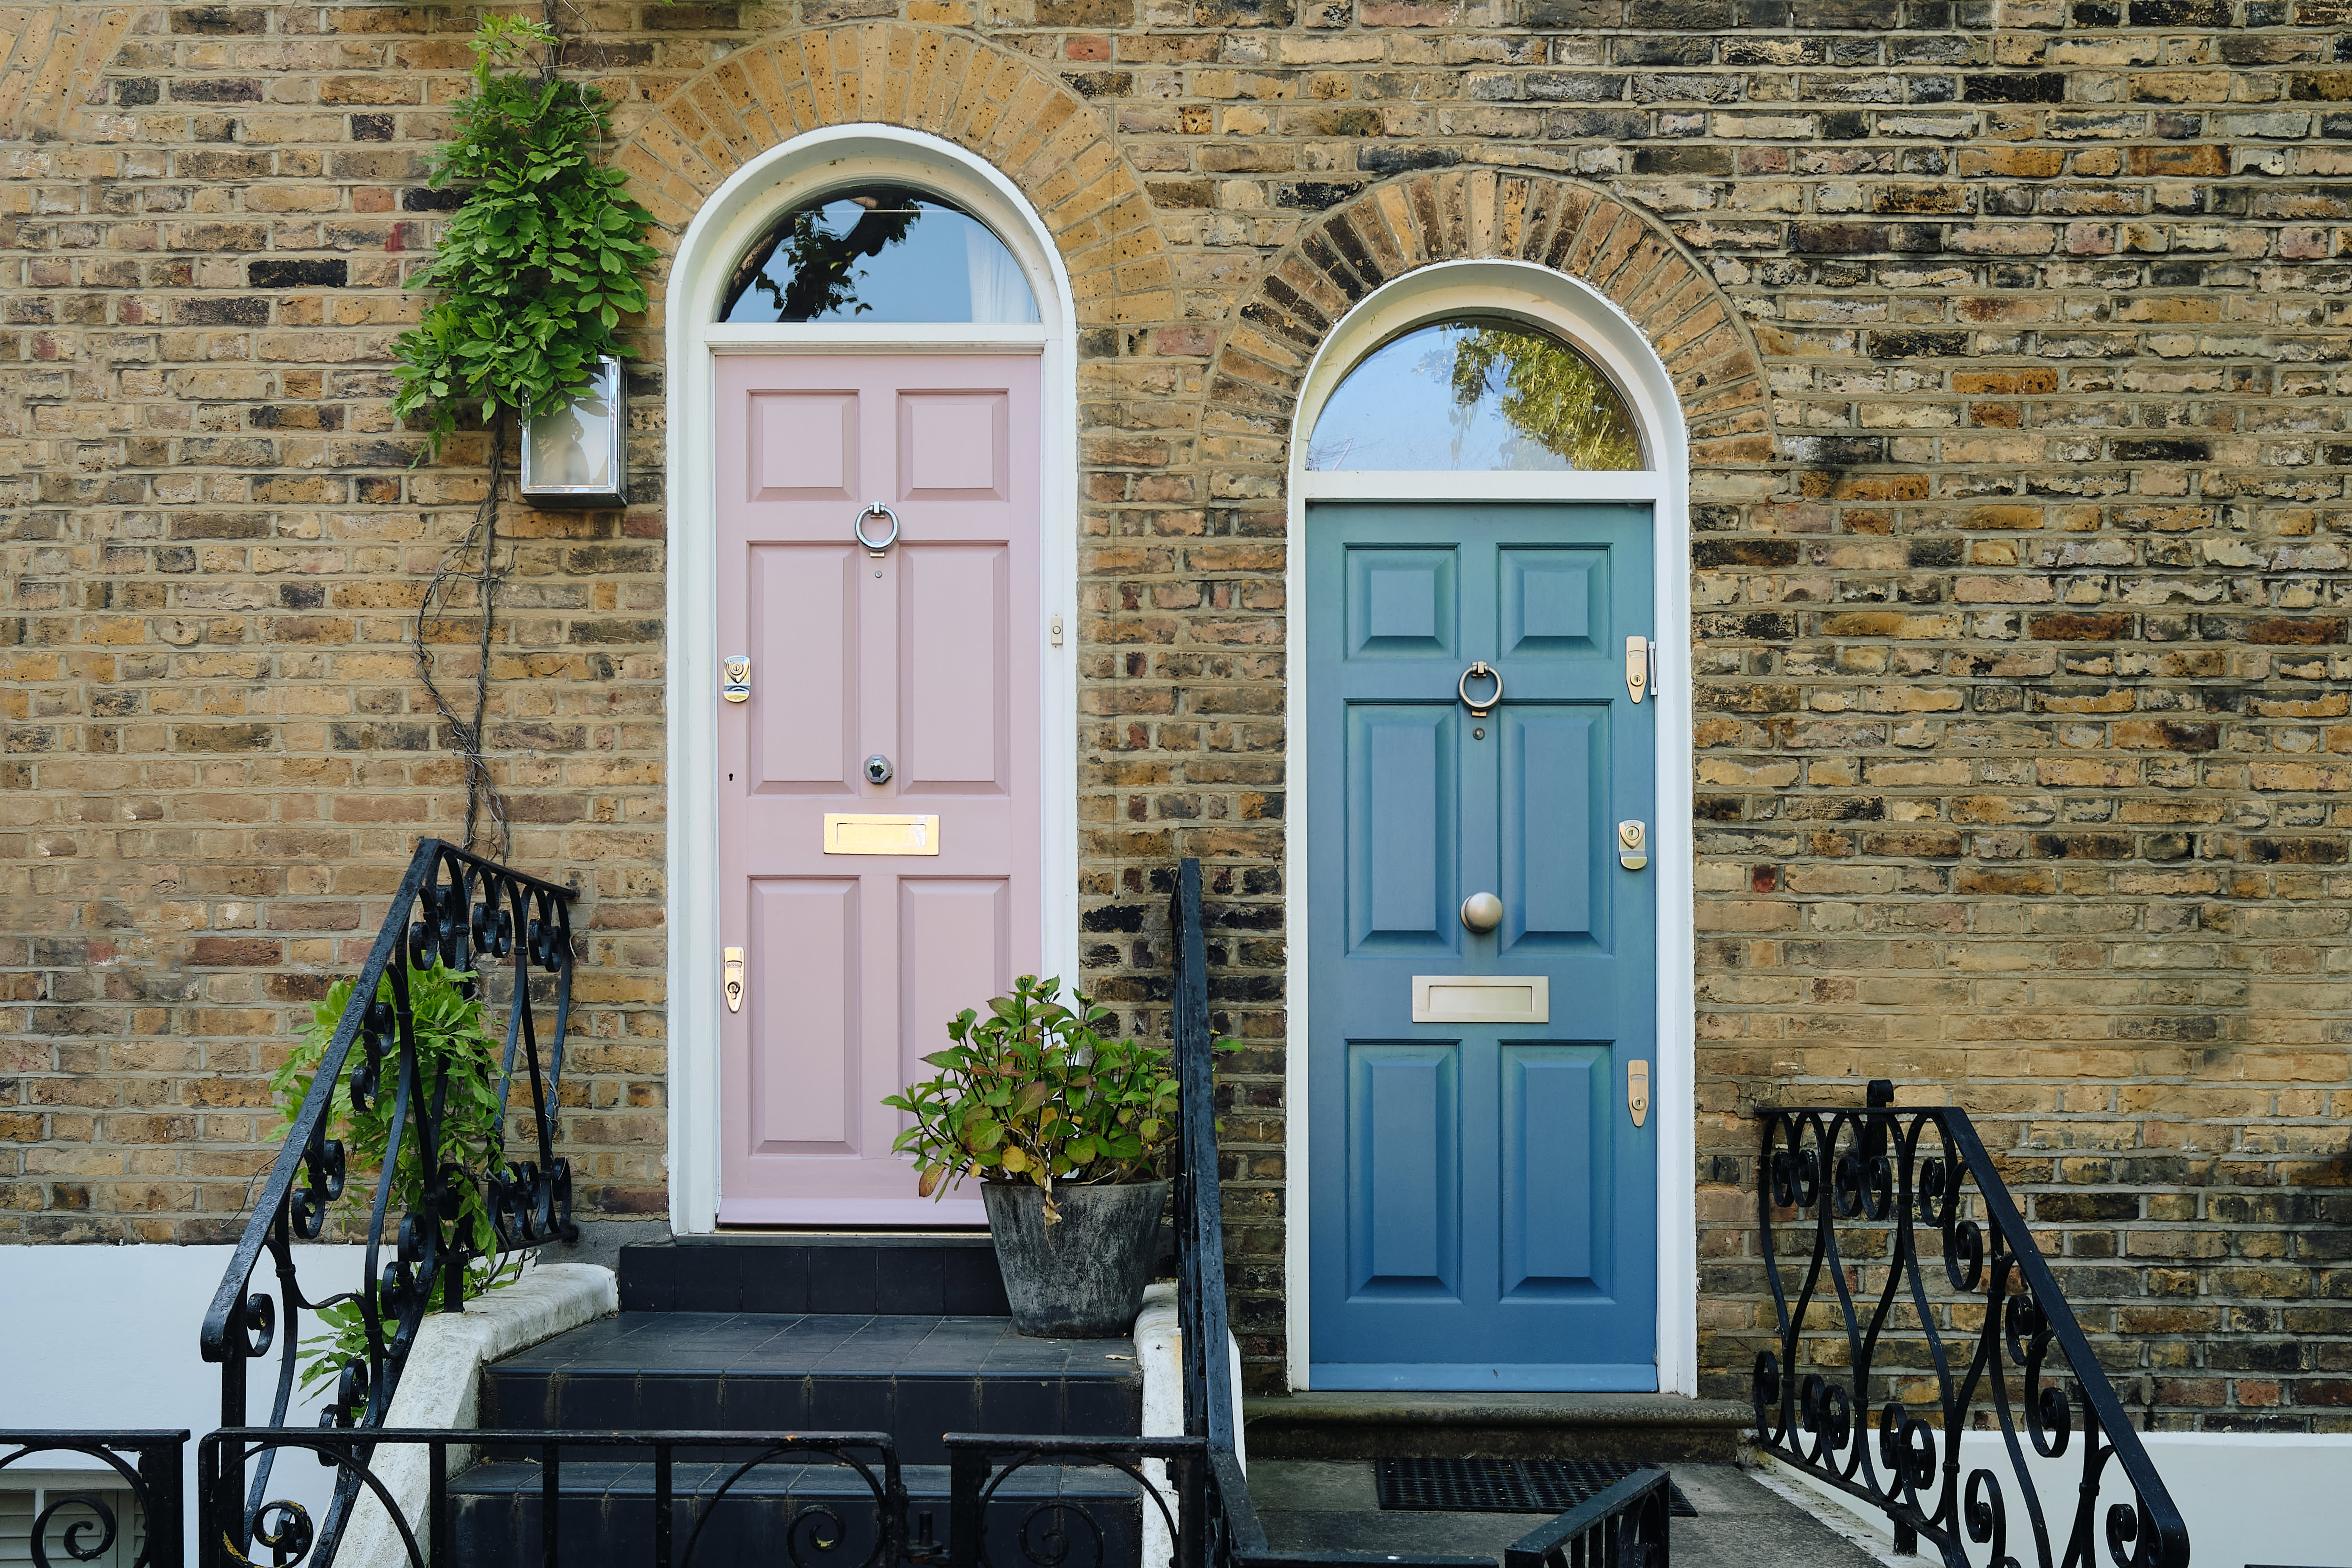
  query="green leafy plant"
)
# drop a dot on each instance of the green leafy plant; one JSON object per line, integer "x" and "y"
{"x": 542, "y": 260}
{"x": 1035, "y": 1091}
{"x": 456, "y": 1058}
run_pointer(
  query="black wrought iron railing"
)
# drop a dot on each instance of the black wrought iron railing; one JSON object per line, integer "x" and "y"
{"x": 869, "y": 1532}
{"x": 472, "y": 917}
{"x": 1622, "y": 1526}
{"x": 1916, "y": 1291}
{"x": 80, "y": 1523}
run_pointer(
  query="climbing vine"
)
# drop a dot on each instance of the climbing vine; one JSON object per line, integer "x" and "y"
{"x": 532, "y": 276}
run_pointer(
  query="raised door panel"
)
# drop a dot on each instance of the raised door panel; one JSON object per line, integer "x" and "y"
{"x": 1400, "y": 773}
{"x": 804, "y": 444}
{"x": 955, "y": 947}
{"x": 1401, "y": 604}
{"x": 952, "y": 445}
{"x": 956, "y": 696}
{"x": 1404, "y": 1170}
{"x": 804, "y": 630}
{"x": 806, "y": 1090}
{"x": 1557, "y": 1157}
{"x": 1555, "y": 779}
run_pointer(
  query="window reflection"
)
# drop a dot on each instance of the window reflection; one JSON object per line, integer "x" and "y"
{"x": 882, "y": 254}
{"x": 1463, "y": 396}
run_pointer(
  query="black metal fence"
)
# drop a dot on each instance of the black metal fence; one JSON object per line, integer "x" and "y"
{"x": 1624, "y": 1526}
{"x": 1961, "y": 1340}
{"x": 80, "y": 1523}
{"x": 471, "y": 916}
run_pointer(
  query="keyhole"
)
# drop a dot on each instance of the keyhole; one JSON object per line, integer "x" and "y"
{"x": 878, "y": 571}
{"x": 1478, "y": 733}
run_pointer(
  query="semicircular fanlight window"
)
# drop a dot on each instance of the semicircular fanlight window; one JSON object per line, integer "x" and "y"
{"x": 1475, "y": 396}
{"x": 878, "y": 254}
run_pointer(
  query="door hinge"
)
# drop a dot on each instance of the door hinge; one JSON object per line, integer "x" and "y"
{"x": 1641, "y": 666}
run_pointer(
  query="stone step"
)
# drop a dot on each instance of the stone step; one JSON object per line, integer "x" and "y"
{"x": 915, "y": 1377}
{"x": 943, "y": 1275}
{"x": 778, "y": 1513}
{"x": 1650, "y": 1429}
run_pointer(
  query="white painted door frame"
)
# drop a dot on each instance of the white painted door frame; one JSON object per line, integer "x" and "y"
{"x": 1573, "y": 311}
{"x": 753, "y": 196}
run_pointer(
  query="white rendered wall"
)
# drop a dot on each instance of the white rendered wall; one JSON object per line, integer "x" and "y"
{"x": 100, "y": 1337}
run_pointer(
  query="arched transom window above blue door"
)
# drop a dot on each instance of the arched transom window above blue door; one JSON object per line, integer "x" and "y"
{"x": 1475, "y": 395}
{"x": 877, "y": 254}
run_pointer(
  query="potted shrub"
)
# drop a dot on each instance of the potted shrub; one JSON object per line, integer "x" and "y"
{"x": 1072, "y": 1135}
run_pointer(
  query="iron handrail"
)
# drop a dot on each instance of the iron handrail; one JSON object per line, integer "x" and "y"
{"x": 1867, "y": 1165}
{"x": 1625, "y": 1525}
{"x": 152, "y": 1477}
{"x": 455, "y": 909}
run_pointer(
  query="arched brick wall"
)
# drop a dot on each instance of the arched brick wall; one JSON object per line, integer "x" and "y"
{"x": 1423, "y": 218}
{"x": 996, "y": 103}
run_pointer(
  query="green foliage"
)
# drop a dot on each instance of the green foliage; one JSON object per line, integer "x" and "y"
{"x": 536, "y": 269}
{"x": 453, "y": 1048}
{"x": 1552, "y": 394}
{"x": 1034, "y": 1093}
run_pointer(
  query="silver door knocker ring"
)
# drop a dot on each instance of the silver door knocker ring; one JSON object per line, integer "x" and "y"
{"x": 875, "y": 508}
{"x": 1481, "y": 670}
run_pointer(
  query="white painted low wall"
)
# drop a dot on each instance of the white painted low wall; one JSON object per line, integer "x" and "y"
{"x": 441, "y": 1387}
{"x": 106, "y": 1337}
{"x": 1160, "y": 1351}
{"x": 2267, "y": 1497}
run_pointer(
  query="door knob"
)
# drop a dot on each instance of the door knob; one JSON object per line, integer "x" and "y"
{"x": 877, "y": 769}
{"x": 1482, "y": 912}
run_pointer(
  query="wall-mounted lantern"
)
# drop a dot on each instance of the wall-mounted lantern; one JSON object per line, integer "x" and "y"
{"x": 579, "y": 455}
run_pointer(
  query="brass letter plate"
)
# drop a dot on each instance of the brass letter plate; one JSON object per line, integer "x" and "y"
{"x": 880, "y": 833}
{"x": 1481, "y": 999}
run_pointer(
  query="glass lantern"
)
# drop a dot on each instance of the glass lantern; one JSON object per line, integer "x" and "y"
{"x": 578, "y": 455}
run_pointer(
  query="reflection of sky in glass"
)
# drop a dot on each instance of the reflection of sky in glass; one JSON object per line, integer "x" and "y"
{"x": 948, "y": 267}
{"x": 1396, "y": 410}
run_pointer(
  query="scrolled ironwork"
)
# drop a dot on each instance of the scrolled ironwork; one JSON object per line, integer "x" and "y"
{"x": 464, "y": 912}
{"x": 151, "y": 1474}
{"x": 1959, "y": 1340}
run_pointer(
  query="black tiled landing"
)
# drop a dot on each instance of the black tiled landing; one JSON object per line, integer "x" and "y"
{"x": 938, "y": 1275}
{"x": 913, "y": 1377}
{"x": 778, "y": 1513}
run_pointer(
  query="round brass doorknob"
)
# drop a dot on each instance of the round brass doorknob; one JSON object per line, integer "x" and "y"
{"x": 1482, "y": 912}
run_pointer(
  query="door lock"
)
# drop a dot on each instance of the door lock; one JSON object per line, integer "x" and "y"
{"x": 1640, "y": 669}
{"x": 1633, "y": 845}
{"x": 734, "y": 973}
{"x": 877, "y": 769}
{"x": 1637, "y": 1091}
{"x": 738, "y": 688}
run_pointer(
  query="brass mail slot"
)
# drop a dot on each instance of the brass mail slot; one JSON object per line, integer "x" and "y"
{"x": 1481, "y": 999}
{"x": 880, "y": 833}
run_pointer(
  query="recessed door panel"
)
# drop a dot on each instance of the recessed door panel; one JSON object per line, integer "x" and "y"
{"x": 951, "y": 446}
{"x": 804, "y": 444}
{"x": 1482, "y": 1212}
{"x": 1555, "y": 770}
{"x": 955, "y": 665}
{"x": 1558, "y": 1161}
{"x": 804, "y": 1001}
{"x": 805, "y": 606}
{"x": 1400, "y": 806}
{"x": 955, "y": 952}
{"x": 1400, "y": 601}
{"x": 1404, "y": 1170}
{"x": 872, "y": 903}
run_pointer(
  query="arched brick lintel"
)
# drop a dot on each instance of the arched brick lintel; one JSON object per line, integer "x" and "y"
{"x": 1419, "y": 220}
{"x": 994, "y": 103}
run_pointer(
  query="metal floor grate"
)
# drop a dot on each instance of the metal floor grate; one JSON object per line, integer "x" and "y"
{"x": 1506, "y": 1485}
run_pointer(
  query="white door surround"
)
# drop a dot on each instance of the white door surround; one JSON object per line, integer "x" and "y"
{"x": 1582, "y": 315}
{"x": 753, "y": 196}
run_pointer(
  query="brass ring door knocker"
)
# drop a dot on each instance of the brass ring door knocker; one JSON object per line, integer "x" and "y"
{"x": 1481, "y": 670}
{"x": 874, "y": 548}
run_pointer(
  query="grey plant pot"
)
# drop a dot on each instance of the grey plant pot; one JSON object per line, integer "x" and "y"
{"x": 1081, "y": 1278}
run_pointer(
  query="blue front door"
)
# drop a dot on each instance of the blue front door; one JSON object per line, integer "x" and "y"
{"x": 1484, "y": 1209}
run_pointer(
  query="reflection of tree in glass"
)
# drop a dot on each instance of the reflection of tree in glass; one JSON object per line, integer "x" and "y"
{"x": 820, "y": 265}
{"x": 1549, "y": 394}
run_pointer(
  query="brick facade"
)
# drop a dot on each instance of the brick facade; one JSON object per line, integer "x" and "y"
{"x": 2013, "y": 340}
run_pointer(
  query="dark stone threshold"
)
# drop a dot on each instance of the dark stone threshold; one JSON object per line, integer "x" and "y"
{"x": 1647, "y": 1427}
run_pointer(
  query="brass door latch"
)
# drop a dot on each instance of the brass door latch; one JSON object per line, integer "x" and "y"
{"x": 1633, "y": 845}
{"x": 734, "y": 971}
{"x": 737, "y": 687}
{"x": 1639, "y": 672}
{"x": 1637, "y": 1091}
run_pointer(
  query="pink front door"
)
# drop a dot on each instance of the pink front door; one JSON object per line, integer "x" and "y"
{"x": 924, "y": 654}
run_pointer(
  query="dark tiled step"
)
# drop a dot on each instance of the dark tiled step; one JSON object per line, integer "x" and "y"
{"x": 941, "y": 1276}
{"x": 1649, "y": 1428}
{"x": 777, "y": 1513}
{"x": 913, "y": 1377}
